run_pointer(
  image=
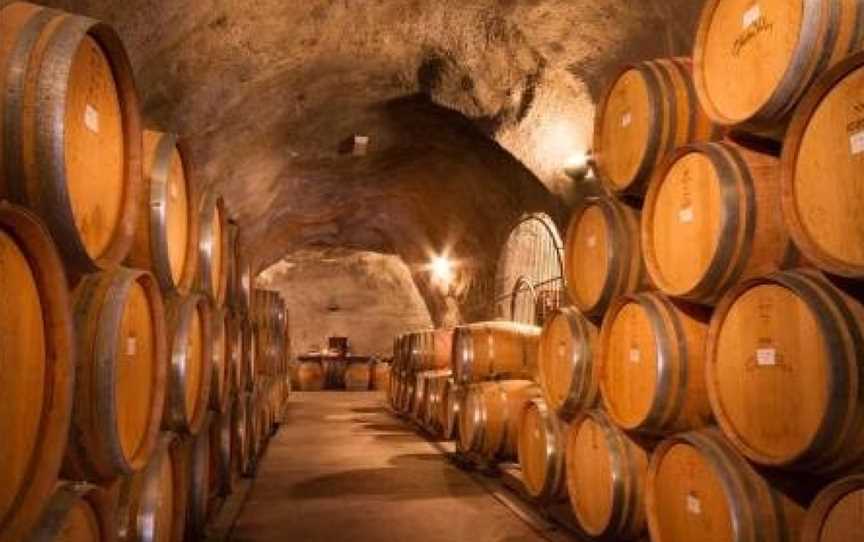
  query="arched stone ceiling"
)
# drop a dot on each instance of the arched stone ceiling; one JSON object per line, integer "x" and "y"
{"x": 471, "y": 107}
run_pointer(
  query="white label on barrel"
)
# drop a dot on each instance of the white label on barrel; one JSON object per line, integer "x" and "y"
{"x": 131, "y": 346}
{"x": 766, "y": 357}
{"x": 751, "y": 16}
{"x": 91, "y": 119}
{"x": 856, "y": 142}
{"x": 694, "y": 505}
{"x": 626, "y": 119}
{"x": 592, "y": 241}
{"x": 634, "y": 355}
{"x": 685, "y": 215}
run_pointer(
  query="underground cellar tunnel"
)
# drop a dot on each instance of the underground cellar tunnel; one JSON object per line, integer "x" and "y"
{"x": 480, "y": 270}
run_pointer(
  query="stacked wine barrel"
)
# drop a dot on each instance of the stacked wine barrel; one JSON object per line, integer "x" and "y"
{"x": 122, "y": 304}
{"x": 706, "y": 381}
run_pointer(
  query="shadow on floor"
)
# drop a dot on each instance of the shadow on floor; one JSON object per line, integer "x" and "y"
{"x": 389, "y": 483}
{"x": 414, "y": 459}
{"x": 385, "y": 427}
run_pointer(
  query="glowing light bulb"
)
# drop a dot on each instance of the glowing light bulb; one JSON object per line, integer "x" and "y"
{"x": 442, "y": 269}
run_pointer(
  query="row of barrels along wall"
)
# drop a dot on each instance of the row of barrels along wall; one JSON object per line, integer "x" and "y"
{"x": 704, "y": 383}
{"x": 131, "y": 404}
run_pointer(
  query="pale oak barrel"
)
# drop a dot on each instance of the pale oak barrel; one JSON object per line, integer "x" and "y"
{"x": 754, "y": 61}
{"x": 70, "y": 147}
{"x": 76, "y": 513}
{"x": 166, "y": 237}
{"x": 541, "y": 450}
{"x": 357, "y": 376}
{"x": 823, "y": 155}
{"x": 213, "y": 250}
{"x": 152, "y": 504}
{"x": 490, "y": 415}
{"x": 652, "y": 364}
{"x": 713, "y": 218}
{"x": 606, "y": 470}
{"x": 37, "y": 379}
{"x": 836, "y": 513}
{"x": 699, "y": 488}
{"x": 785, "y": 369}
{"x": 602, "y": 255}
{"x": 190, "y": 363}
{"x": 121, "y": 375}
{"x": 649, "y": 109}
{"x": 567, "y": 368}
{"x": 311, "y": 376}
{"x": 495, "y": 349}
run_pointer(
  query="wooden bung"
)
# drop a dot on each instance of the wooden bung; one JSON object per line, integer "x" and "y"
{"x": 76, "y": 512}
{"x": 495, "y": 349}
{"x": 567, "y": 368}
{"x": 835, "y": 515}
{"x": 649, "y": 109}
{"x": 699, "y": 488}
{"x": 191, "y": 361}
{"x": 166, "y": 237}
{"x": 606, "y": 472}
{"x": 753, "y": 61}
{"x": 784, "y": 372}
{"x": 120, "y": 382}
{"x": 38, "y": 363}
{"x": 489, "y": 418}
{"x": 213, "y": 250}
{"x": 821, "y": 166}
{"x": 152, "y": 504}
{"x": 541, "y": 450}
{"x": 602, "y": 255}
{"x": 712, "y": 218}
{"x": 652, "y": 364}
{"x": 71, "y": 147}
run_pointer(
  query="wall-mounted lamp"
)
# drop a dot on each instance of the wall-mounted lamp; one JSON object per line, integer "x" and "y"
{"x": 579, "y": 165}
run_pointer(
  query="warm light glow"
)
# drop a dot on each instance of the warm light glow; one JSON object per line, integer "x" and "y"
{"x": 442, "y": 269}
{"x": 577, "y": 161}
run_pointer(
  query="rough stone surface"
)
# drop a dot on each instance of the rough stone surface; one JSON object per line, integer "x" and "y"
{"x": 471, "y": 107}
{"x": 366, "y": 296}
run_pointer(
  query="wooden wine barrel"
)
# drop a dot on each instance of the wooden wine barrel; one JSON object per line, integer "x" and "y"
{"x": 213, "y": 251}
{"x": 699, "y": 488}
{"x": 566, "y": 366}
{"x": 450, "y": 408}
{"x": 221, "y": 453}
{"x": 489, "y": 417}
{"x": 433, "y": 350}
{"x": 787, "y": 43}
{"x": 166, "y": 237}
{"x": 71, "y": 147}
{"x": 151, "y": 504}
{"x": 199, "y": 483}
{"x": 76, "y": 512}
{"x": 381, "y": 376}
{"x": 357, "y": 376}
{"x": 500, "y": 349}
{"x": 241, "y": 450}
{"x": 222, "y": 367}
{"x": 541, "y": 451}
{"x": 311, "y": 376}
{"x": 234, "y": 347}
{"x": 121, "y": 375}
{"x": 250, "y": 356}
{"x": 408, "y": 401}
{"x": 191, "y": 361}
{"x": 418, "y": 403}
{"x": 38, "y": 368}
{"x": 712, "y": 218}
{"x": 784, "y": 369}
{"x": 820, "y": 172}
{"x": 606, "y": 471}
{"x": 649, "y": 109}
{"x": 433, "y": 395}
{"x": 652, "y": 364}
{"x": 244, "y": 276}
{"x": 835, "y": 515}
{"x": 602, "y": 255}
